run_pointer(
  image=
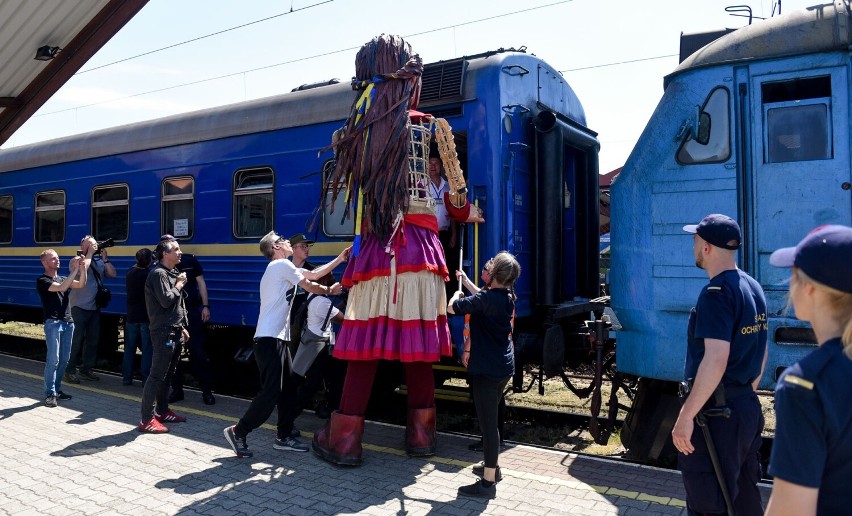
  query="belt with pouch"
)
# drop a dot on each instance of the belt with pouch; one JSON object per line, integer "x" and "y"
{"x": 721, "y": 395}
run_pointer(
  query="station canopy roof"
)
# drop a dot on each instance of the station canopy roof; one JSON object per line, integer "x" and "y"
{"x": 71, "y": 31}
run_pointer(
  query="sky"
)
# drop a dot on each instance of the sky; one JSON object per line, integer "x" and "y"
{"x": 177, "y": 56}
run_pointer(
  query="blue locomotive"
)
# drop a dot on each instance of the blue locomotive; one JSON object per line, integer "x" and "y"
{"x": 220, "y": 179}
{"x": 756, "y": 125}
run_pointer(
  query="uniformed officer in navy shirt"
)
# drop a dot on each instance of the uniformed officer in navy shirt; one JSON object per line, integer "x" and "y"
{"x": 812, "y": 454}
{"x": 726, "y": 353}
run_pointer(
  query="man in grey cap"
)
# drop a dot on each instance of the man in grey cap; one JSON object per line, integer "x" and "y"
{"x": 726, "y": 353}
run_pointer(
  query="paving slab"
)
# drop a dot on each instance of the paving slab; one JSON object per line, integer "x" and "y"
{"x": 86, "y": 457}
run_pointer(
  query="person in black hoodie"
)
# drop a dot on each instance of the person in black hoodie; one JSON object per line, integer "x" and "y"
{"x": 490, "y": 361}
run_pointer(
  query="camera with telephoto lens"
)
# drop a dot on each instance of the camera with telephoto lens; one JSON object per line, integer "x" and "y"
{"x": 109, "y": 242}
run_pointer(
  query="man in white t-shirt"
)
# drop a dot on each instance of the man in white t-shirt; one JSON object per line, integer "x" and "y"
{"x": 270, "y": 349}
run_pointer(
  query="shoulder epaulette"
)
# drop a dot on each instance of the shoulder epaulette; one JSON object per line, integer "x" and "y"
{"x": 713, "y": 288}
{"x": 801, "y": 382}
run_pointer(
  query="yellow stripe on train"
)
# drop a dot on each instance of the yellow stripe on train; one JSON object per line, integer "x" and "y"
{"x": 247, "y": 249}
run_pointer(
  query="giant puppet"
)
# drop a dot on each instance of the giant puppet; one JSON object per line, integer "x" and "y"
{"x": 397, "y": 301}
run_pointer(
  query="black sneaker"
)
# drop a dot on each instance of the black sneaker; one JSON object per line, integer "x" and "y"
{"x": 290, "y": 444}
{"x": 71, "y": 378}
{"x": 295, "y": 433}
{"x": 62, "y": 396}
{"x": 208, "y": 398}
{"x": 321, "y": 410}
{"x": 175, "y": 395}
{"x": 479, "y": 490}
{"x": 88, "y": 375}
{"x": 50, "y": 401}
{"x": 479, "y": 470}
{"x": 238, "y": 444}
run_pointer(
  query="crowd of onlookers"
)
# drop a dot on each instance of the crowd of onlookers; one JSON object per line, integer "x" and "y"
{"x": 717, "y": 433}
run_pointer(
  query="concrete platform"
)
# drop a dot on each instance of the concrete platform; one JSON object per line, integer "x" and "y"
{"x": 86, "y": 457}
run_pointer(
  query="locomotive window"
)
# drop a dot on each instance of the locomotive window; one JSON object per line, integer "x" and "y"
{"x": 253, "y": 202}
{"x": 50, "y": 217}
{"x": 799, "y": 131}
{"x": 712, "y": 144}
{"x": 179, "y": 207}
{"x": 333, "y": 221}
{"x": 6, "y": 219}
{"x": 110, "y": 212}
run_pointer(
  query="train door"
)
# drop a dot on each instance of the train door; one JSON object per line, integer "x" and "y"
{"x": 800, "y": 162}
{"x": 519, "y": 218}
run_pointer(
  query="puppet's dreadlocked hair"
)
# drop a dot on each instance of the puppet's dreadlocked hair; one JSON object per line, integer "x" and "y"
{"x": 372, "y": 154}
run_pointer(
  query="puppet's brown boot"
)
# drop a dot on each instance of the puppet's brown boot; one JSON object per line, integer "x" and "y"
{"x": 339, "y": 441}
{"x": 420, "y": 435}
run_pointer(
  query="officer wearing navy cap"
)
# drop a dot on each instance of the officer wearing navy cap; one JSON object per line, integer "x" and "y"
{"x": 812, "y": 454}
{"x": 726, "y": 353}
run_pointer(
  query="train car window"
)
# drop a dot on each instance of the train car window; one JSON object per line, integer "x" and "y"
{"x": 800, "y": 132}
{"x": 178, "y": 207}
{"x": 712, "y": 144}
{"x": 111, "y": 212}
{"x": 253, "y": 202}
{"x": 333, "y": 221}
{"x": 6, "y": 211}
{"x": 797, "y": 116}
{"x": 50, "y": 217}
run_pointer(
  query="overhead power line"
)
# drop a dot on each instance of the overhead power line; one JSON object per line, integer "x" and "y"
{"x": 617, "y": 63}
{"x": 291, "y": 11}
{"x": 315, "y": 56}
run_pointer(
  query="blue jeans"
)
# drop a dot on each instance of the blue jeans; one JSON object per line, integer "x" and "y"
{"x": 136, "y": 336}
{"x": 57, "y": 336}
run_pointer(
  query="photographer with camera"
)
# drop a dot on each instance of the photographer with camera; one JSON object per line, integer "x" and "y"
{"x": 85, "y": 311}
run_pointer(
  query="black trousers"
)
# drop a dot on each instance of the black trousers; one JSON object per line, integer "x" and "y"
{"x": 487, "y": 393}
{"x": 737, "y": 441}
{"x": 198, "y": 361}
{"x": 277, "y": 388}
{"x": 326, "y": 371}
{"x": 163, "y": 363}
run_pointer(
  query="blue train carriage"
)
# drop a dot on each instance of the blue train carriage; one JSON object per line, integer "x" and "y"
{"x": 221, "y": 178}
{"x": 532, "y": 165}
{"x": 756, "y": 125}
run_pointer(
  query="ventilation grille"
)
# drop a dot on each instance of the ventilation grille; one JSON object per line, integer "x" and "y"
{"x": 443, "y": 81}
{"x": 446, "y": 112}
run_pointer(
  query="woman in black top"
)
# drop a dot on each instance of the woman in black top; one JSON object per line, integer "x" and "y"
{"x": 491, "y": 360}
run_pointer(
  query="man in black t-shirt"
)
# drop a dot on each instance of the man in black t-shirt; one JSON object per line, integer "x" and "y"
{"x": 58, "y": 325}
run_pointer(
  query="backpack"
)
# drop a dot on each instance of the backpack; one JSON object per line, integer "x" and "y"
{"x": 299, "y": 319}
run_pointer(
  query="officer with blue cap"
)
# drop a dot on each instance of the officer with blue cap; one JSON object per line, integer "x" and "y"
{"x": 812, "y": 454}
{"x": 717, "y": 433}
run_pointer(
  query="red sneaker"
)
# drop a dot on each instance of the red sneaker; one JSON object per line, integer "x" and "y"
{"x": 169, "y": 417}
{"x": 152, "y": 426}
